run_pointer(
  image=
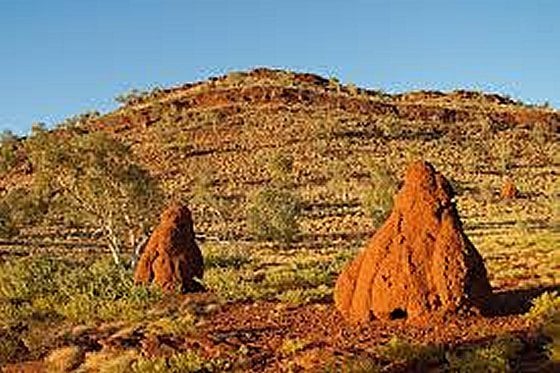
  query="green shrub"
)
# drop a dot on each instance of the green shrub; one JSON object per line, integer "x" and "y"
{"x": 357, "y": 365}
{"x": 95, "y": 177}
{"x": 496, "y": 356}
{"x": 390, "y": 126}
{"x": 79, "y": 121}
{"x": 273, "y": 214}
{"x": 225, "y": 256}
{"x": 551, "y": 329}
{"x": 399, "y": 350}
{"x": 493, "y": 357}
{"x": 209, "y": 203}
{"x": 176, "y": 325}
{"x": 41, "y": 287}
{"x": 545, "y": 312}
{"x": 544, "y": 307}
{"x": 291, "y": 346}
{"x": 274, "y": 209}
{"x": 8, "y": 148}
{"x": 505, "y": 153}
{"x": 377, "y": 200}
{"x": 12, "y": 347}
{"x": 231, "y": 284}
{"x": 178, "y": 363}
{"x": 280, "y": 166}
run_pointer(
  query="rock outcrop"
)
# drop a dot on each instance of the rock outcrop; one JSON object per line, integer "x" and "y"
{"x": 172, "y": 258}
{"x": 419, "y": 264}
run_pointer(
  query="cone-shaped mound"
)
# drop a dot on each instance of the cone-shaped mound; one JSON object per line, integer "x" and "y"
{"x": 172, "y": 258}
{"x": 509, "y": 190}
{"x": 419, "y": 264}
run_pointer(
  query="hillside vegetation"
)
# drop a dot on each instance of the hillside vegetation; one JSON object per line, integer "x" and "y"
{"x": 287, "y": 175}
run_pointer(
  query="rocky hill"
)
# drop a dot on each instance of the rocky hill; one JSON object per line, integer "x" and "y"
{"x": 218, "y": 135}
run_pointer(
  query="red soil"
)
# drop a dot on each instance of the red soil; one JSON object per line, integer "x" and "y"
{"x": 264, "y": 327}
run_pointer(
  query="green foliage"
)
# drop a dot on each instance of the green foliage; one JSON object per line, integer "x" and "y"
{"x": 272, "y": 215}
{"x": 188, "y": 361}
{"x": 551, "y": 329}
{"x": 232, "y": 284}
{"x": 19, "y": 207}
{"x": 177, "y": 325}
{"x": 355, "y": 364}
{"x": 339, "y": 174}
{"x": 399, "y": 350}
{"x": 79, "y": 121}
{"x": 11, "y": 346}
{"x": 8, "y": 226}
{"x": 544, "y": 307}
{"x": 493, "y": 357}
{"x": 93, "y": 179}
{"x": 545, "y": 312}
{"x": 8, "y": 148}
{"x": 291, "y": 346}
{"x": 377, "y": 200}
{"x": 133, "y": 96}
{"x": 390, "y": 126}
{"x": 334, "y": 84}
{"x": 280, "y": 167}
{"x": 274, "y": 209}
{"x": 41, "y": 287}
{"x": 497, "y": 355}
{"x": 505, "y": 153}
{"x": 208, "y": 201}
{"x": 223, "y": 256}
{"x": 235, "y": 274}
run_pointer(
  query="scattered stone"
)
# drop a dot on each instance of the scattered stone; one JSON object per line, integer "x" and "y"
{"x": 128, "y": 337}
{"x": 419, "y": 264}
{"x": 172, "y": 258}
{"x": 154, "y": 345}
{"x": 110, "y": 360}
{"x": 35, "y": 366}
{"x": 64, "y": 359}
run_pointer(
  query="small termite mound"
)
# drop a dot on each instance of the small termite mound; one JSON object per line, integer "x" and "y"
{"x": 172, "y": 258}
{"x": 509, "y": 190}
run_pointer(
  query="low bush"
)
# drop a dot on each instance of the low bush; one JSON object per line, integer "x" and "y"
{"x": 413, "y": 355}
{"x": 188, "y": 361}
{"x": 224, "y": 256}
{"x": 377, "y": 200}
{"x": 274, "y": 209}
{"x": 496, "y": 356}
{"x": 292, "y": 346}
{"x": 36, "y": 288}
{"x": 273, "y": 213}
{"x": 8, "y": 148}
{"x": 544, "y": 307}
{"x": 12, "y": 347}
{"x": 545, "y": 313}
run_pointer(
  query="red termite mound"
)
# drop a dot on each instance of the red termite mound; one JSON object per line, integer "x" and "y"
{"x": 419, "y": 264}
{"x": 172, "y": 258}
{"x": 509, "y": 190}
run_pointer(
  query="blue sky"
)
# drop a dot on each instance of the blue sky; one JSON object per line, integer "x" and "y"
{"x": 64, "y": 57}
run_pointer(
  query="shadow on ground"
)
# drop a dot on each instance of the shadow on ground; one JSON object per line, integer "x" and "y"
{"x": 515, "y": 302}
